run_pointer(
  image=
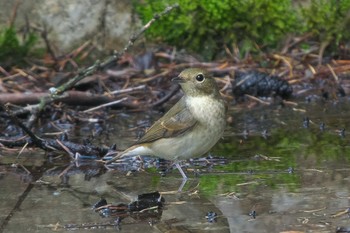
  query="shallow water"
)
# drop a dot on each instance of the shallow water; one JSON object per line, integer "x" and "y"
{"x": 269, "y": 173}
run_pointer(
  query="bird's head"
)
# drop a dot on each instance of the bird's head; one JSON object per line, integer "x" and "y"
{"x": 197, "y": 82}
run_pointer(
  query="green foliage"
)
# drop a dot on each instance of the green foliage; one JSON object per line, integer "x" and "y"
{"x": 205, "y": 25}
{"x": 328, "y": 20}
{"x": 12, "y": 50}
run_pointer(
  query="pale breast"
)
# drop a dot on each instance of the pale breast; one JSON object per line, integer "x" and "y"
{"x": 205, "y": 109}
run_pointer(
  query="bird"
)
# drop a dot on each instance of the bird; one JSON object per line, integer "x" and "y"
{"x": 190, "y": 128}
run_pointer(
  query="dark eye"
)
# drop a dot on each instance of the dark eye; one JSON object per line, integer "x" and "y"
{"x": 200, "y": 77}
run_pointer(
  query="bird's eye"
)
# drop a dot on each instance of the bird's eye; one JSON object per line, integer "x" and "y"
{"x": 200, "y": 77}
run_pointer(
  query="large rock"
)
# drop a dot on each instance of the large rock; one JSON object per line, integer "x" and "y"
{"x": 71, "y": 23}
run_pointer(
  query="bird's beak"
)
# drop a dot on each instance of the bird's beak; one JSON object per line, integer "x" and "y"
{"x": 178, "y": 79}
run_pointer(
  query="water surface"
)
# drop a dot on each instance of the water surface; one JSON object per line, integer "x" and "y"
{"x": 273, "y": 171}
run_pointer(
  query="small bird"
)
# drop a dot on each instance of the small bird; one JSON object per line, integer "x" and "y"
{"x": 191, "y": 127}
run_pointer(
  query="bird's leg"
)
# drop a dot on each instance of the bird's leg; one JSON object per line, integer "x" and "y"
{"x": 184, "y": 177}
{"x": 182, "y": 185}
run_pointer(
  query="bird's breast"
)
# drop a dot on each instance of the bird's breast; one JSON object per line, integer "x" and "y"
{"x": 207, "y": 110}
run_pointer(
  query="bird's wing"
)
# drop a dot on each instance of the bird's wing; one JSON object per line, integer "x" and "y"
{"x": 175, "y": 122}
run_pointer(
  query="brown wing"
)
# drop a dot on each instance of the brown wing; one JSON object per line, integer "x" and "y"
{"x": 175, "y": 122}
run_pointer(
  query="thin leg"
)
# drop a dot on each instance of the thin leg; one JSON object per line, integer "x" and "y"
{"x": 184, "y": 177}
{"x": 182, "y": 185}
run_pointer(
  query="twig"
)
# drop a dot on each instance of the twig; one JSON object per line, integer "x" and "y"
{"x": 116, "y": 56}
{"x": 126, "y": 90}
{"x": 155, "y": 76}
{"x": 53, "y": 145}
{"x": 106, "y": 105}
{"x": 166, "y": 97}
{"x": 55, "y": 93}
{"x": 2, "y": 70}
{"x": 37, "y": 141}
{"x": 70, "y": 97}
{"x": 257, "y": 99}
{"x": 23, "y": 148}
{"x": 69, "y": 152}
{"x": 14, "y": 13}
{"x": 25, "y": 169}
{"x": 335, "y": 76}
{"x": 48, "y": 44}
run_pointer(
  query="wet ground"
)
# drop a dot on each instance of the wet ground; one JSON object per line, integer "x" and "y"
{"x": 278, "y": 169}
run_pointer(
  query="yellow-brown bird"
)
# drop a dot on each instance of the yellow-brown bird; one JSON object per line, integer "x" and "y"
{"x": 191, "y": 127}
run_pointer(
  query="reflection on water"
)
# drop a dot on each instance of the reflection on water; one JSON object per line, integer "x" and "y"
{"x": 293, "y": 178}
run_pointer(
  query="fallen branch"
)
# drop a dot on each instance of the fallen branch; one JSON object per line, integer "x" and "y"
{"x": 55, "y": 145}
{"x": 59, "y": 93}
{"x": 106, "y": 105}
{"x": 115, "y": 57}
{"x": 70, "y": 98}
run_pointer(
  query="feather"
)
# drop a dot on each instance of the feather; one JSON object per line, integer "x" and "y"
{"x": 175, "y": 122}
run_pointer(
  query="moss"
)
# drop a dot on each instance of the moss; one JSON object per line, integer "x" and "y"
{"x": 204, "y": 26}
{"x": 12, "y": 50}
{"x": 327, "y": 20}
